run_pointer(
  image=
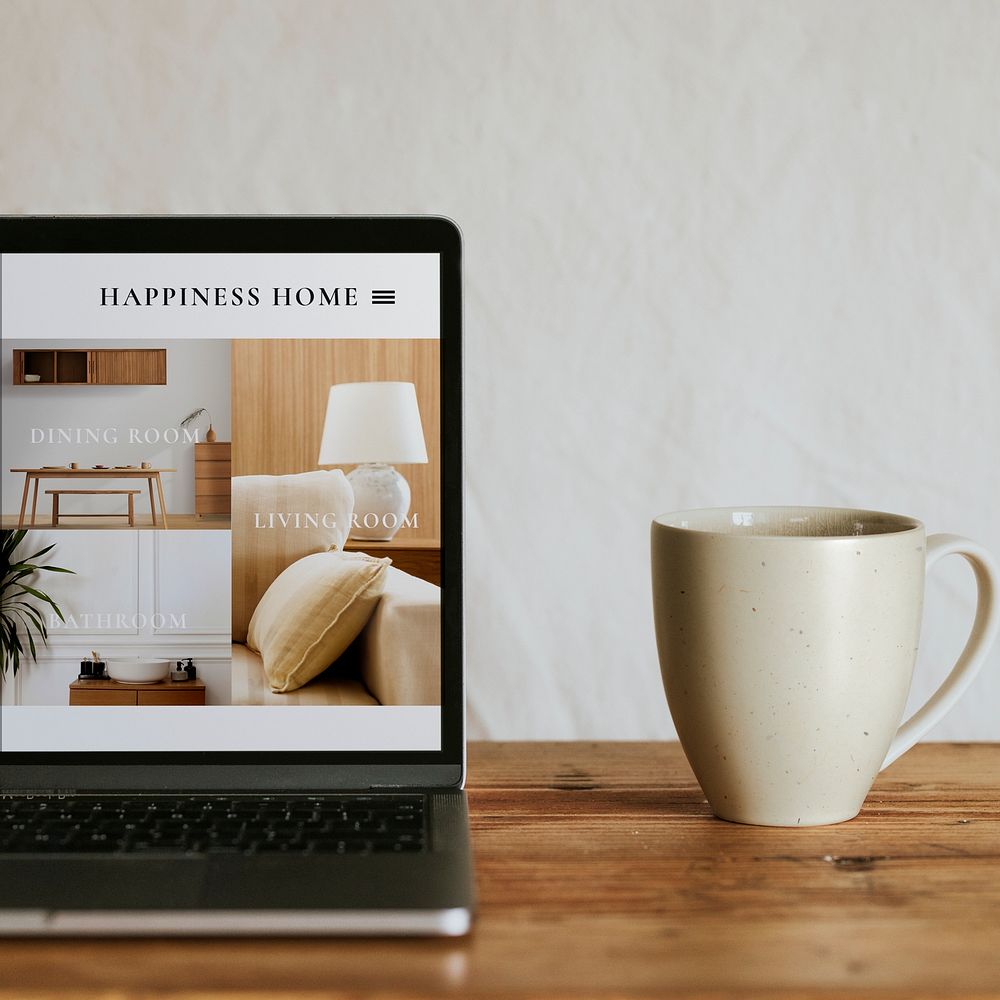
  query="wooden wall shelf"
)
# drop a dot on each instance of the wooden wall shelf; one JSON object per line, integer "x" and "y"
{"x": 92, "y": 366}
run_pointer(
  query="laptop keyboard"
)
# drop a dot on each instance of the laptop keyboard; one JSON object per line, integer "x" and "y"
{"x": 203, "y": 824}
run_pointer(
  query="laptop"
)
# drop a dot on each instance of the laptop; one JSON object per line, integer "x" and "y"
{"x": 232, "y": 520}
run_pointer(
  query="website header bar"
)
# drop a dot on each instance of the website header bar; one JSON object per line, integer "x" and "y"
{"x": 383, "y": 296}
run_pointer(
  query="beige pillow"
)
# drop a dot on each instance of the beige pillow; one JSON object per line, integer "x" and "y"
{"x": 312, "y": 612}
{"x": 278, "y": 519}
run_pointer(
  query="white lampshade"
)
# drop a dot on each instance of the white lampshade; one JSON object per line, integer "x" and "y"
{"x": 372, "y": 422}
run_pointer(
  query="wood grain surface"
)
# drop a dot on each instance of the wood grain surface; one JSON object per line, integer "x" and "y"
{"x": 129, "y": 367}
{"x": 71, "y": 522}
{"x": 92, "y": 366}
{"x": 109, "y": 692}
{"x": 212, "y": 478}
{"x": 416, "y": 556}
{"x": 602, "y": 873}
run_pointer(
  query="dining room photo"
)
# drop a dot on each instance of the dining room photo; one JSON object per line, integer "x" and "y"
{"x": 113, "y": 434}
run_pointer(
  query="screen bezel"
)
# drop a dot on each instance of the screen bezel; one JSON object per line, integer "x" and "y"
{"x": 252, "y": 770}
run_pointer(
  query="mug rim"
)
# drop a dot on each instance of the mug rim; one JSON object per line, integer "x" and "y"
{"x": 896, "y": 524}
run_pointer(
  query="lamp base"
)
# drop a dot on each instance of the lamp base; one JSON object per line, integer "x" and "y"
{"x": 381, "y": 501}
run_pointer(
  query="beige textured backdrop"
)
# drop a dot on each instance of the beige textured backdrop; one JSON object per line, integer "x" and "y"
{"x": 716, "y": 252}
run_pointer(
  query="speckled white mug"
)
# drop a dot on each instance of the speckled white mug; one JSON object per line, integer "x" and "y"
{"x": 787, "y": 638}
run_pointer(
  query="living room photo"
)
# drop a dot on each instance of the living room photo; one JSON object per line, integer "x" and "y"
{"x": 336, "y": 522}
{"x": 101, "y": 434}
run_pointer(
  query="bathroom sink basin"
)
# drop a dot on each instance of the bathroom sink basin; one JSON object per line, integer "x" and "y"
{"x": 135, "y": 670}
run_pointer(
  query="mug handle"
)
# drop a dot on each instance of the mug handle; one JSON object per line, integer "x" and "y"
{"x": 984, "y": 631}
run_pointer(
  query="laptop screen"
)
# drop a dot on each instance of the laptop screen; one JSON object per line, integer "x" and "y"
{"x": 222, "y": 502}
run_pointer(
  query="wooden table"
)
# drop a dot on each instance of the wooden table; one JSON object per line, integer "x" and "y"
{"x": 109, "y": 692}
{"x": 34, "y": 475}
{"x": 602, "y": 873}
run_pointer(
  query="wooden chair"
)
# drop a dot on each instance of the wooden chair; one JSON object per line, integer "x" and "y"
{"x": 56, "y": 494}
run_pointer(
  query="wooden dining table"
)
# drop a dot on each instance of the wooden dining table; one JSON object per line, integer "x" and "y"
{"x": 601, "y": 872}
{"x": 152, "y": 477}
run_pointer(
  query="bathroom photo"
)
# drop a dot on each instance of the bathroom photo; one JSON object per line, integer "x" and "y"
{"x": 137, "y": 618}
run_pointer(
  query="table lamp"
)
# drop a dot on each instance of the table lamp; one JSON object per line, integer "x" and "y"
{"x": 374, "y": 425}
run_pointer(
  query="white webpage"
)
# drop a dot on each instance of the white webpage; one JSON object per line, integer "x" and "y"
{"x": 236, "y": 460}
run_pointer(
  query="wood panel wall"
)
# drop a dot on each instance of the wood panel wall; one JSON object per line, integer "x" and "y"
{"x": 279, "y": 393}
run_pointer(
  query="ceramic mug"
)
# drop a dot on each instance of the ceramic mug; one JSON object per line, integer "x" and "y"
{"x": 787, "y": 638}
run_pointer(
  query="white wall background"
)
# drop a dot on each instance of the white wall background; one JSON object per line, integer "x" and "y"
{"x": 153, "y": 594}
{"x": 716, "y": 253}
{"x": 198, "y": 374}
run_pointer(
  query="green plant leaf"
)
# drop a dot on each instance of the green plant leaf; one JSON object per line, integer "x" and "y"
{"x": 19, "y": 616}
{"x": 11, "y": 540}
{"x": 22, "y": 570}
{"x": 24, "y": 623}
{"x": 5, "y": 631}
{"x": 20, "y": 607}
{"x": 40, "y": 552}
{"x": 30, "y": 608}
{"x": 42, "y": 597}
{"x": 31, "y": 641}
